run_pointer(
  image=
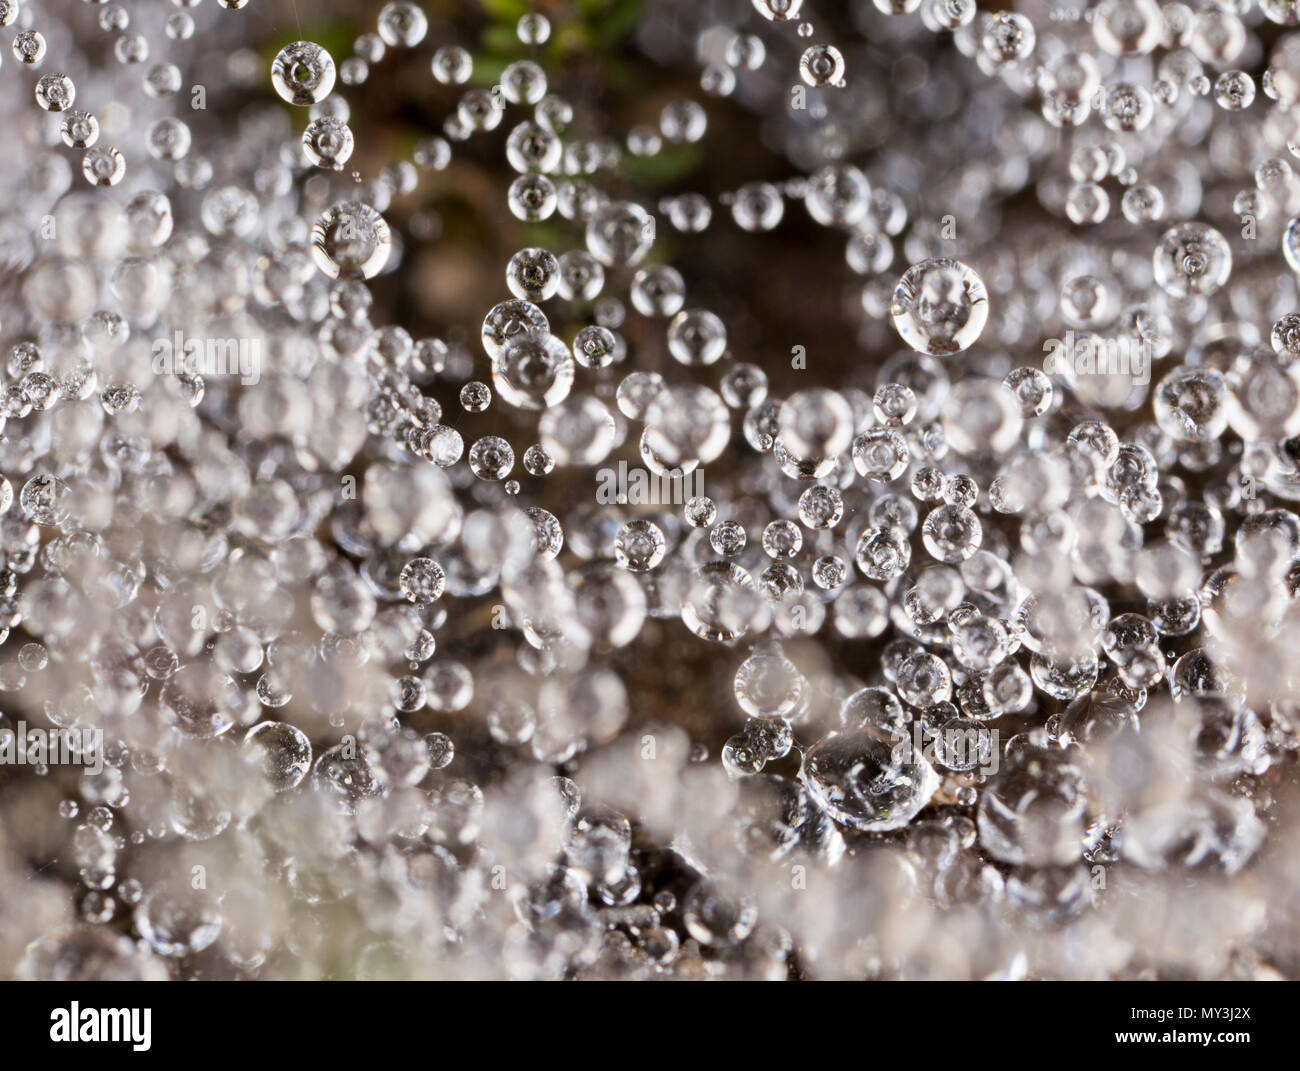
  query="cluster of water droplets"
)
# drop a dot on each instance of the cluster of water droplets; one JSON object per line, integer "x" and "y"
{"x": 601, "y": 634}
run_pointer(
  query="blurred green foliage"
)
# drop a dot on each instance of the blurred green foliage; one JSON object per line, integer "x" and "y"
{"x": 505, "y": 9}
{"x": 594, "y": 29}
{"x": 667, "y": 165}
{"x": 587, "y": 31}
{"x": 594, "y": 24}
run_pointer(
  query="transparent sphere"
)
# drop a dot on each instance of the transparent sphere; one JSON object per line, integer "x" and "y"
{"x": 351, "y": 240}
{"x": 940, "y": 15}
{"x": 861, "y": 612}
{"x": 746, "y": 52}
{"x": 55, "y": 92}
{"x": 1072, "y": 77}
{"x": 1087, "y": 203}
{"x": 1285, "y": 338}
{"x": 479, "y": 109}
{"x": 856, "y": 777}
{"x": 533, "y": 274}
{"x": 697, "y": 337}
{"x": 448, "y": 686}
{"x": 923, "y": 680}
{"x": 452, "y": 65}
{"x": 869, "y": 253}
{"x": 757, "y": 206}
{"x": 342, "y": 602}
{"x": 537, "y": 462}
{"x": 180, "y": 26}
{"x": 177, "y": 921}
{"x": 940, "y": 307}
{"x": 523, "y": 82}
{"x": 815, "y": 423}
{"x": 402, "y": 24}
{"x": 577, "y": 431}
{"x": 533, "y": 29}
{"x": 169, "y": 139}
{"x": 1192, "y": 258}
{"x": 1190, "y": 404}
{"x": 683, "y": 122}
{"x": 79, "y": 129}
{"x": 830, "y": 572}
{"x": 838, "y": 195}
{"x": 894, "y": 405}
{"x": 881, "y": 454}
{"x": 782, "y": 539}
{"x": 441, "y": 749}
{"x": 1283, "y": 12}
{"x": 952, "y": 533}
{"x": 981, "y": 417}
{"x": 532, "y": 198}
{"x": 491, "y": 458}
{"x": 639, "y": 546}
{"x": 1128, "y": 27}
{"x": 1234, "y": 91}
{"x": 280, "y": 752}
{"x": 620, "y": 234}
{"x": 690, "y": 213}
{"x": 728, "y": 538}
{"x": 597, "y": 347}
{"x": 475, "y": 396}
{"x": 981, "y": 643}
{"x": 822, "y": 65}
{"x": 1008, "y": 36}
{"x": 422, "y": 580}
{"x": 1032, "y": 389}
{"x": 700, "y": 511}
{"x": 768, "y": 686}
{"x": 534, "y": 372}
{"x": 778, "y": 10}
{"x": 509, "y": 321}
{"x": 327, "y": 142}
{"x": 1127, "y": 108}
{"x": 658, "y": 291}
{"x": 882, "y": 553}
{"x": 1143, "y": 203}
{"x": 531, "y": 147}
{"x": 821, "y": 507}
{"x": 686, "y": 424}
{"x": 1217, "y": 37}
{"x": 723, "y": 603}
{"x": 303, "y": 73}
{"x": 636, "y": 392}
{"x": 103, "y": 165}
{"x": 29, "y": 47}
{"x": 199, "y": 700}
